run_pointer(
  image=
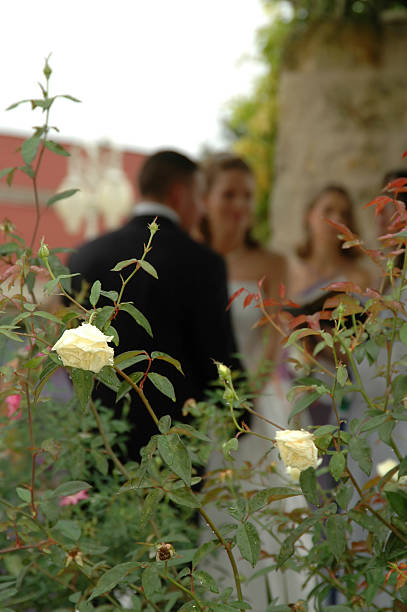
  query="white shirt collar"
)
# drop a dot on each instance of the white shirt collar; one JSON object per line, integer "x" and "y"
{"x": 155, "y": 208}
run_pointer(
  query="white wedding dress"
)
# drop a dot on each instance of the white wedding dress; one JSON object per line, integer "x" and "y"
{"x": 285, "y": 586}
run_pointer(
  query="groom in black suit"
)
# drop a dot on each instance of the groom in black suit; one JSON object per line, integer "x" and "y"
{"x": 186, "y": 306}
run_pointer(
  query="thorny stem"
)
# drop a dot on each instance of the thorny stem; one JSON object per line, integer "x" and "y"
{"x": 181, "y": 587}
{"x": 263, "y": 418}
{"x": 392, "y": 528}
{"x": 33, "y": 453}
{"x": 108, "y": 448}
{"x": 393, "y": 331}
{"x": 3, "y": 551}
{"x": 139, "y": 392}
{"x": 228, "y": 552}
{"x": 34, "y": 178}
{"x": 302, "y": 350}
{"x": 147, "y": 249}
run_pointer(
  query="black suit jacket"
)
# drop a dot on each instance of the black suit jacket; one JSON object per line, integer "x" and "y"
{"x": 186, "y": 308}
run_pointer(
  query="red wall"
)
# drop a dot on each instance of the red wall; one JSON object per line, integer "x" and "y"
{"x": 52, "y": 171}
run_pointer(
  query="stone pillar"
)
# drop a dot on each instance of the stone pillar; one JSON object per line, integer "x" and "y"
{"x": 343, "y": 119}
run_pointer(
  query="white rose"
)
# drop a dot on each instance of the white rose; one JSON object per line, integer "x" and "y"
{"x": 385, "y": 466}
{"x": 293, "y": 474}
{"x": 297, "y": 449}
{"x": 85, "y": 347}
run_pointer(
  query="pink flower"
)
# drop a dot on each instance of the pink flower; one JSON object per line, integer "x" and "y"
{"x": 13, "y": 404}
{"x": 72, "y": 500}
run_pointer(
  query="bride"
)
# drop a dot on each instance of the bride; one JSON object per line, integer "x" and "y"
{"x": 229, "y": 202}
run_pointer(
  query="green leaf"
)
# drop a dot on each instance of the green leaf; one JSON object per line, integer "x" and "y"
{"x": 403, "y": 334}
{"x": 103, "y": 317}
{"x": 175, "y": 454}
{"x": 165, "y": 357}
{"x": 337, "y": 465}
{"x": 188, "y": 430}
{"x": 95, "y": 292}
{"x": 150, "y": 505}
{"x": 5, "y": 172}
{"x": 162, "y": 384}
{"x": 306, "y": 400}
{"x": 55, "y": 147}
{"x": 137, "y": 316}
{"x": 125, "y": 387}
{"x": 229, "y": 446}
{"x": 403, "y": 467}
{"x": 360, "y": 451}
{"x": 336, "y": 536}
{"x": 68, "y": 97}
{"x": 151, "y": 581}
{"x": 205, "y": 580}
{"x": 147, "y": 267}
{"x": 29, "y": 149}
{"x": 164, "y": 424}
{"x": 70, "y": 488}
{"x": 374, "y": 422}
{"x": 342, "y": 374}
{"x": 110, "y": 579}
{"x": 308, "y": 482}
{"x": 83, "y": 381}
{"x": 110, "y": 295}
{"x": 184, "y": 497}
{"x": 248, "y": 541}
{"x": 125, "y": 360}
{"x": 70, "y": 529}
{"x": 123, "y": 264}
{"x": 397, "y": 498}
{"x": 62, "y": 195}
{"x": 9, "y": 247}
{"x": 108, "y": 377}
{"x": 23, "y": 494}
{"x": 266, "y": 496}
{"x": 49, "y": 368}
{"x": 343, "y": 496}
{"x": 101, "y": 462}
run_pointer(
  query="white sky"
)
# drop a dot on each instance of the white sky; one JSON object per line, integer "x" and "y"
{"x": 150, "y": 73}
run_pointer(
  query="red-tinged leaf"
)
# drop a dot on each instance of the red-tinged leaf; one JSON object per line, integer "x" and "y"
{"x": 248, "y": 299}
{"x": 379, "y": 201}
{"x": 282, "y": 291}
{"x": 291, "y": 304}
{"x": 342, "y": 228}
{"x": 404, "y": 155}
{"x": 346, "y": 287}
{"x": 350, "y": 304}
{"x": 372, "y": 293}
{"x": 299, "y": 334}
{"x": 262, "y": 321}
{"x": 396, "y": 185}
{"x": 302, "y": 318}
{"x": 234, "y": 296}
{"x": 270, "y": 302}
{"x": 351, "y": 243}
{"x": 260, "y": 282}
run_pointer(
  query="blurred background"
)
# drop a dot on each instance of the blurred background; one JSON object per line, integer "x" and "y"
{"x": 309, "y": 92}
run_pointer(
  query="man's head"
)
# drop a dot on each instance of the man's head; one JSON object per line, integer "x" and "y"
{"x": 173, "y": 179}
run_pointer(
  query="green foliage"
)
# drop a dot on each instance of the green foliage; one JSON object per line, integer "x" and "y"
{"x": 80, "y": 524}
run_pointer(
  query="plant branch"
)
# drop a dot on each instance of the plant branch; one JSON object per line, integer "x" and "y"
{"x": 108, "y": 448}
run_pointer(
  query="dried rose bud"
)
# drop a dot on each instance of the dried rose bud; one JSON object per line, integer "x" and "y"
{"x": 165, "y": 552}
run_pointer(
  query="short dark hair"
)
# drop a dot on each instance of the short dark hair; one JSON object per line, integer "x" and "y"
{"x": 161, "y": 170}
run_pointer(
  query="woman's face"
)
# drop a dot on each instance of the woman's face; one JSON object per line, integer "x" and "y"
{"x": 229, "y": 205}
{"x": 331, "y": 205}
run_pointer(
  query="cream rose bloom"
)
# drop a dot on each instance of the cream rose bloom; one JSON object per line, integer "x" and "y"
{"x": 85, "y": 347}
{"x": 385, "y": 466}
{"x": 297, "y": 449}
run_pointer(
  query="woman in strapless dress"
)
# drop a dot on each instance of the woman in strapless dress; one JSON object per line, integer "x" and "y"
{"x": 229, "y": 200}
